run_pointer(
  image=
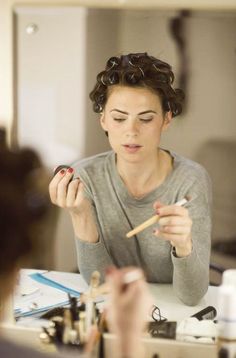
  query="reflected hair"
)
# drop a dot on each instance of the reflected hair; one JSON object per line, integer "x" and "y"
{"x": 22, "y": 204}
{"x": 138, "y": 70}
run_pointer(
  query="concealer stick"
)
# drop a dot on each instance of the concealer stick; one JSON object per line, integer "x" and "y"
{"x": 153, "y": 220}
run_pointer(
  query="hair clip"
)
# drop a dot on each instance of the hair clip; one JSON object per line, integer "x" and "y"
{"x": 113, "y": 77}
{"x": 167, "y": 105}
{"x": 101, "y": 79}
{"x": 131, "y": 63}
{"x": 97, "y": 107}
{"x": 141, "y": 70}
{"x": 100, "y": 98}
{"x": 113, "y": 61}
{"x": 156, "y": 68}
{"x": 132, "y": 76}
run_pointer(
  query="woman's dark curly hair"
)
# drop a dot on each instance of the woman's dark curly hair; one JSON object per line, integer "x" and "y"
{"x": 138, "y": 70}
{"x": 22, "y": 204}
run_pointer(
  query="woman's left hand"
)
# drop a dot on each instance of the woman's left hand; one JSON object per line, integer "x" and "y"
{"x": 175, "y": 226}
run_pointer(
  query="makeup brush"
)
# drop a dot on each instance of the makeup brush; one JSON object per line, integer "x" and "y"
{"x": 154, "y": 219}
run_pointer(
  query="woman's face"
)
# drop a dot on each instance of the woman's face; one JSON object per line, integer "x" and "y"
{"x": 134, "y": 120}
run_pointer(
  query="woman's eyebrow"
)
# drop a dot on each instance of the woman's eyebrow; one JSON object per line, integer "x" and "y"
{"x": 118, "y": 110}
{"x": 123, "y": 112}
{"x": 149, "y": 111}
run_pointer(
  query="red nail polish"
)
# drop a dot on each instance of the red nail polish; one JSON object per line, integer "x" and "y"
{"x": 70, "y": 170}
{"x": 62, "y": 172}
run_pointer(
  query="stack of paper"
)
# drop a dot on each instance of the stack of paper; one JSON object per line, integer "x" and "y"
{"x": 39, "y": 291}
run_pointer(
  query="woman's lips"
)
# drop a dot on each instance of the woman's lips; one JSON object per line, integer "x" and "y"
{"x": 132, "y": 148}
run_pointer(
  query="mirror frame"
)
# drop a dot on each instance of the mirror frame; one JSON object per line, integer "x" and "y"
{"x": 7, "y": 37}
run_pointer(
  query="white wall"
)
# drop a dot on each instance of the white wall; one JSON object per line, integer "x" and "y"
{"x": 102, "y": 43}
{"x": 6, "y": 65}
{"x": 212, "y": 64}
{"x": 51, "y": 77}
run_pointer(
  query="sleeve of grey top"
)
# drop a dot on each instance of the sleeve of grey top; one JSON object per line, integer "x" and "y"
{"x": 92, "y": 256}
{"x": 191, "y": 273}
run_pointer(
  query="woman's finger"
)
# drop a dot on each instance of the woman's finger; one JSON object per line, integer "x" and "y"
{"x": 80, "y": 193}
{"x": 54, "y": 184}
{"x": 173, "y": 210}
{"x": 175, "y": 221}
{"x": 157, "y": 205}
{"x": 62, "y": 188}
{"x": 72, "y": 193}
{"x": 175, "y": 230}
{"x": 177, "y": 238}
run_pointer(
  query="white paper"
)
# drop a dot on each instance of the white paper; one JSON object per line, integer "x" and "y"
{"x": 70, "y": 280}
{"x": 38, "y": 297}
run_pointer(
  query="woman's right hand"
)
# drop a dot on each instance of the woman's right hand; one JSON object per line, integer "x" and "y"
{"x": 69, "y": 195}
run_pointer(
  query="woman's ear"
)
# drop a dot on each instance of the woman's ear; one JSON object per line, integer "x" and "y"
{"x": 103, "y": 121}
{"x": 167, "y": 120}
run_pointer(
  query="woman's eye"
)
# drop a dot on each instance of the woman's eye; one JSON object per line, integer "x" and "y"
{"x": 146, "y": 119}
{"x": 119, "y": 119}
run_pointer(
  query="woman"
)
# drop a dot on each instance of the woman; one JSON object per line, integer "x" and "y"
{"x": 114, "y": 192}
{"x": 23, "y": 203}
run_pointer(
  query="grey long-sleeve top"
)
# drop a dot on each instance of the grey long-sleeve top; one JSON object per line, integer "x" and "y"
{"x": 116, "y": 212}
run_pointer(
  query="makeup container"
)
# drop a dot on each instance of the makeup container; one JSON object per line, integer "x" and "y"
{"x": 227, "y": 315}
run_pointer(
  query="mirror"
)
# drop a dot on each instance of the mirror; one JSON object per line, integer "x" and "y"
{"x": 60, "y": 50}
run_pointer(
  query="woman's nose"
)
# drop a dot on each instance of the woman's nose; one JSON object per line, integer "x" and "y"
{"x": 132, "y": 127}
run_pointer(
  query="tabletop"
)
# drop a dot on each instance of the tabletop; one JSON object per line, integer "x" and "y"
{"x": 172, "y": 308}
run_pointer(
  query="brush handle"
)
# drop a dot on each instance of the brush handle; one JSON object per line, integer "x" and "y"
{"x": 152, "y": 220}
{"x": 143, "y": 226}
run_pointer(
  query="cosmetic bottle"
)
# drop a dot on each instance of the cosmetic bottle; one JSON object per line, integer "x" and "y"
{"x": 226, "y": 308}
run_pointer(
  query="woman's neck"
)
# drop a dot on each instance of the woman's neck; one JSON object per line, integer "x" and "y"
{"x": 141, "y": 178}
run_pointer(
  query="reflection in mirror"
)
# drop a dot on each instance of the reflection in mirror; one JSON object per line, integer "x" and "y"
{"x": 59, "y": 53}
